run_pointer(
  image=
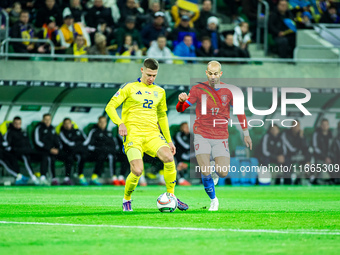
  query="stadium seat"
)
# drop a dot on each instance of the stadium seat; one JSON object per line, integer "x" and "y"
{"x": 4, "y": 126}
{"x": 174, "y": 129}
{"x": 308, "y": 134}
{"x": 30, "y": 131}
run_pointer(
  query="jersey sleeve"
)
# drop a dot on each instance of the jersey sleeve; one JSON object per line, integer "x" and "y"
{"x": 115, "y": 102}
{"x": 162, "y": 104}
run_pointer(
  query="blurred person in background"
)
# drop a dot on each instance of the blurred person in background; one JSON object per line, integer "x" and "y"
{"x": 23, "y": 30}
{"x": 99, "y": 48}
{"x": 182, "y": 142}
{"x": 152, "y": 30}
{"x": 78, "y": 48}
{"x": 50, "y": 9}
{"x": 242, "y": 38}
{"x": 18, "y": 145}
{"x": 159, "y": 49}
{"x": 273, "y": 152}
{"x": 73, "y": 148}
{"x": 48, "y": 146}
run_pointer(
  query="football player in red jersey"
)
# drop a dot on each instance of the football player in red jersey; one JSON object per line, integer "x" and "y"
{"x": 211, "y": 127}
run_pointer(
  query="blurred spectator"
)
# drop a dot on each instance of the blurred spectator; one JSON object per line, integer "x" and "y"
{"x": 50, "y": 9}
{"x": 112, "y": 4}
{"x": 128, "y": 28}
{"x": 205, "y": 13}
{"x": 185, "y": 48}
{"x": 295, "y": 147}
{"x": 120, "y": 157}
{"x": 321, "y": 143}
{"x": 149, "y": 14}
{"x": 242, "y": 37}
{"x": 206, "y": 50}
{"x": 330, "y": 16}
{"x": 69, "y": 30}
{"x": 211, "y": 31}
{"x": 185, "y": 8}
{"x": 229, "y": 50}
{"x": 335, "y": 148}
{"x": 322, "y": 139}
{"x": 128, "y": 9}
{"x": 76, "y": 11}
{"x": 99, "y": 48}
{"x": 99, "y": 12}
{"x": 233, "y": 5}
{"x": 183, "y": 29}
{"x": 50, "y": 31}
{"x": 102, "y": 28}
{"x": 18, "y": 145}
{"x": 78, "y": 48}
{"x": 102, "y": 148}
{"x": 151, "y": 31}
{"x": 23, "y": 30}
{"x": 305, "y": 21}
{"x": 72, "y": 140}
{"x": 272, "y": 150}
{"x": 48, "y": 146}
{"x": 182, "y": 156}
{"x": 4, "y": 163}
{"x": 130, "y": 48}
{"x": 282, "y": 28}
{"x": 249, "y": 8}
{"x": 14, "y": 14}
{"x": 159, "y": 49}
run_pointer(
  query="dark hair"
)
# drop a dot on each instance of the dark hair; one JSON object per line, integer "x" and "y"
{"x": 270, "y": 128}
{"x": 16, "y": 118}
{"x": 182, "y": 124}
{"x": 161, "y": 36}
{"x": 151, "y": 64}
{"x": 47, "y": 115}
{"x": 324, "y": 119}
{"x": 102, "y": 117}
{"x": 206, "y": 38}
{"x": 24, "y": 11}
{"x": 66, "y": 119}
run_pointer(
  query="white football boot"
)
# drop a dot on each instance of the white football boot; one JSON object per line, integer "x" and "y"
{"x": 214, "y": 204}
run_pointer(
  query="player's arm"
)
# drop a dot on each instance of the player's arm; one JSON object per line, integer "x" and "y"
{"x": 164, "y": 123}
{"x": 183, "y": 102}
{"x": 111, "y": 109}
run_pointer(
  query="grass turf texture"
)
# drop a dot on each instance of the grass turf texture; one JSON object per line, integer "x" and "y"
{"x": 300, "y": 210}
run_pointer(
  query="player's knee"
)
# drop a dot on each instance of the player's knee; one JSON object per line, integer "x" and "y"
{"x": 136, "y": 168}
{"x": 167, "y": 158}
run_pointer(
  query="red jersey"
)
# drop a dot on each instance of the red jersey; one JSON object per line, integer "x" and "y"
{"x": 213, "y": 124}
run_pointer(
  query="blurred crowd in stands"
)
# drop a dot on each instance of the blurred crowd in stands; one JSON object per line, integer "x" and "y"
{"x": 97, "y": 149}
{"x": 155, "y": 28}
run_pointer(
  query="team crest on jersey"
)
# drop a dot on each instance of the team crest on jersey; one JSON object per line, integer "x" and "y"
{"x": 130, "y": 143}
{"x": 147, "y": 92}
{"x": 155, "y": 93}
{"x": 117, "y": 94}
{"x": 197, "y": 146}
{"x": 224, "y": 100}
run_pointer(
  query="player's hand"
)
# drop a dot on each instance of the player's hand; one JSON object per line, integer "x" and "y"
{"x": 122, "y": 129}
{"x": 183, "y": 97}
{"x": 172, "y": 148}
{"x": 248, "y": 142}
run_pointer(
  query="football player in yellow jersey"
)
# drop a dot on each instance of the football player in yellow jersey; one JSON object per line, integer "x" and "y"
{"x": 144, "y": 105}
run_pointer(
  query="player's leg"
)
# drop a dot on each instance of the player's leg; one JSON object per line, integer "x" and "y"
{"x": 202, "y": 152}
{"x": 165, "y": 155}
{"x": 136, "y": 166}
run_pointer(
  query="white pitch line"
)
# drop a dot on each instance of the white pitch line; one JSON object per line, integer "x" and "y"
{"x": 270, "y": 231}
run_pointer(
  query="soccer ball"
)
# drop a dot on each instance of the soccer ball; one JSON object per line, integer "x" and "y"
{"x": 167, "y": 202}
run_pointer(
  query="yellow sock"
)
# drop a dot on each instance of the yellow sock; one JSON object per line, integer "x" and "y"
{"x": 130, "y": 185}
{"x": 170, "y": 176}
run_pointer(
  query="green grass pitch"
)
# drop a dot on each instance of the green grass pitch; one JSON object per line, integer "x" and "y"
{"x": 89, "y": 220}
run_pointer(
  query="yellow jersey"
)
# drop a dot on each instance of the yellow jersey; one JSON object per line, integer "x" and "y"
{"x": 142, "y": 104}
